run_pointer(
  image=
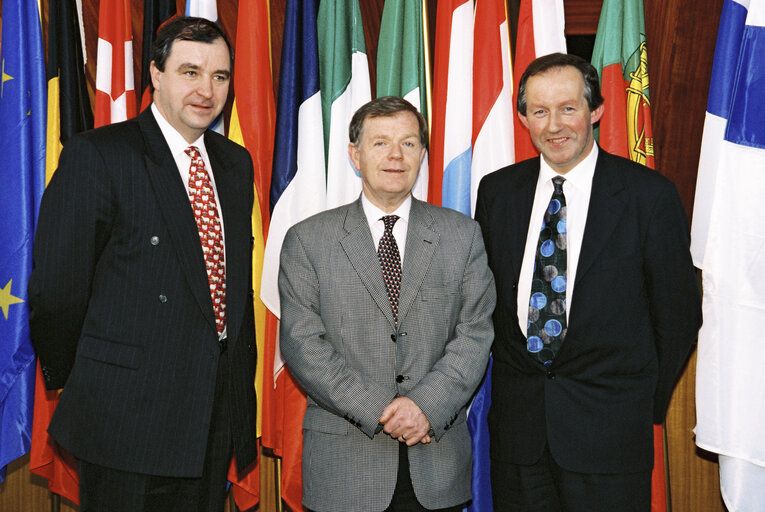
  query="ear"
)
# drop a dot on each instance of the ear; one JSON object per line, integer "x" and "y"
{"x": 596, "y": 114}
{"x": 524, "y": 121}
{"x": 422, "y": 154}
{"x": 353, "y": 154}
{"x": 154, "y": 74}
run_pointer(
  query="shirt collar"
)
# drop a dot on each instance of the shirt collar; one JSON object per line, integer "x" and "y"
{"x": 579, "y": 177}
{"x": 174, "y": 139}
{"x": 374, "y": 214}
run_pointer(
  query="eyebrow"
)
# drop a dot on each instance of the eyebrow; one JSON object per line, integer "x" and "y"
{"x": 185, "y": 66}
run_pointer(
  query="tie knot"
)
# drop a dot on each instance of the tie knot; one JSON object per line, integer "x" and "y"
{"x": 389, "y": 221}
{"x": 558, "y": 184}
{"x": 193, "y": 152}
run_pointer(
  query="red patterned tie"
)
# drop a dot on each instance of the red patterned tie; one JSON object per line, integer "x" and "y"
{"x": 390, "y": 262}
{"x": 202, "y": 197}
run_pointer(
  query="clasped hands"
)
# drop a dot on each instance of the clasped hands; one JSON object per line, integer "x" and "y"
{"x": 403, "y": 420}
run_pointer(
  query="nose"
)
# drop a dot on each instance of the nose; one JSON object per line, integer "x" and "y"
{"x": 205, "y": 88}
{"x": 555, "y": 122}
{"x": 395, "y": 152}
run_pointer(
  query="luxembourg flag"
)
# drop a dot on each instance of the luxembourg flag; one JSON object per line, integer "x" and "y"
{"x": 207, "y": 9}
{"x": 115, "y": 86}
{"x": 451, "y": 132}
{"x": 492, "y": 93}
{"x": 344, "y": 71}
{"x": 728, "y": 245}
{"x": 541, "y": 25}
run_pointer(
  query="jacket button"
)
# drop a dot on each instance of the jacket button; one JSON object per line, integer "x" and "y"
{"x": 399, "y": 378}
{"x": 393, "y": 338}
{"x": 154, "y": 240}
{"x": 163, "y": 299}
{"x": 550, "y": 375}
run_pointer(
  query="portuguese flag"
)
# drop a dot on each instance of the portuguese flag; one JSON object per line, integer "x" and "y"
{"x": 620, "y": 57}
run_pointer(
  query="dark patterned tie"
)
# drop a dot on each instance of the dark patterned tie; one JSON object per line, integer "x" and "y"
{"x": 546, "y": 327}
{"x": 390, "y": 262}
{"x": 202, "y": 197}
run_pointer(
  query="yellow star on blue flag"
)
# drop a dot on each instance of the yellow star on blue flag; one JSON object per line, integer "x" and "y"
{"x": 22, "y": 146}
{"x": 6, "y": 298}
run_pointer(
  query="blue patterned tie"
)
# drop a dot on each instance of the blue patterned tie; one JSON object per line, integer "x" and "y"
{"x": 547, "y": 308}
{"x": 390, "y": 262}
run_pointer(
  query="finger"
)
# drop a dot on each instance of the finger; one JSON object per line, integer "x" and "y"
{"x": 388, "y": 413}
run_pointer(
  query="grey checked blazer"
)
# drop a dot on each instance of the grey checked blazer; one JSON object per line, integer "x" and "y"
{"x": 339, "y": 341}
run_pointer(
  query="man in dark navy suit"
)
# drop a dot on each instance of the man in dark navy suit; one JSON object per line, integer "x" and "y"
{"x": 597, "y": 306}
{"x": 140, "y": 296}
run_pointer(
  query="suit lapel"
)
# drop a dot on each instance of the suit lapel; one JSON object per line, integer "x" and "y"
{"x": 360, "y": 249}
{"x": 236, "y": 222}
{"x": 421, "y": 244}
{"x": 605, "y": 210}
{"x": 176, "y": 211}
{"x": 517, "y": 216}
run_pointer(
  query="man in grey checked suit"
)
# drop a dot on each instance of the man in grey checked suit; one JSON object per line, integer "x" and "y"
{"x": 385, "y": 424}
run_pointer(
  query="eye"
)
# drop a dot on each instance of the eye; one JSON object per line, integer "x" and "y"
{"x": 409, "y": 144}
{"x": 190, "y": 73}
{"x": 220, "y": 78}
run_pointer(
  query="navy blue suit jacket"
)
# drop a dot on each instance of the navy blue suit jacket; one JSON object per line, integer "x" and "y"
{"x": 121, "y": 315}
{"x": 634, "y": 316}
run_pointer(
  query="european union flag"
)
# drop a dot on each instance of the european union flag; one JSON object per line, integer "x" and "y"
{"x": 22, "y": 174}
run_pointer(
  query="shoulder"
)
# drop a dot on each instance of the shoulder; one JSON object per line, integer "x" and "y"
{"x": 444, "y": 218}
{"x": 124, "y": 135}
{"x": 511, "y": 175}
{"x": 231, "y": 149}
{"x": 635, "y": 177}
{"x": 320, "y": 228}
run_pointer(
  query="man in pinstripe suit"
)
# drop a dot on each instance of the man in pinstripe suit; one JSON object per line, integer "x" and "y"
{"x": 157, "y": 381}
{"x": 386, "y": 323}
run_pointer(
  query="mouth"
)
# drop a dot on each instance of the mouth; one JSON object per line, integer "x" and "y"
{"x": 201, "y": 107}
{"x": 394, "y": 171}
{"x": 558, "y": 141}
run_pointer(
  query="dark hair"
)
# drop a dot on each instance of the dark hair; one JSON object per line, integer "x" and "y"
{"x": 186, "y": 28}
{"x": 384, "y": 107}
{"x": 561, "y": 60}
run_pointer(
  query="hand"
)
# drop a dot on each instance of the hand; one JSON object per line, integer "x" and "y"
{"x": 403, "y": 420}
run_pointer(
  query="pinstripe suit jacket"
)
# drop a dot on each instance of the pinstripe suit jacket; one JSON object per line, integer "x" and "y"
{"x": 632, "y": 321}
{"x": 121, "y": 311}
{"x": 339, "y": 341}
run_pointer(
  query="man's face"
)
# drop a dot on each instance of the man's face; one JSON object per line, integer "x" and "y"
{"x": 558, "y": 117}
{"x": 388, "y": 157}
{"x": 192, "y": 90}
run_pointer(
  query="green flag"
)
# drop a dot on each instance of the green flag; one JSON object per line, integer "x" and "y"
{"x": 344, "y": 75}
{"x": 401, "y": 65}
{"x": 621, "y": 58}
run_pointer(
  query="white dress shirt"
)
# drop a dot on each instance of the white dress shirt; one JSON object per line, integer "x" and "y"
{"x": 577, "y": 189}
{"x": 178, "y": 146}
{"x": 377, "y": 227}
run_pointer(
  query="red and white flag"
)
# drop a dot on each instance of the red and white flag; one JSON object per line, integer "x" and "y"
{"x": 541, "y": 27}
{"x": 115, "y": 85}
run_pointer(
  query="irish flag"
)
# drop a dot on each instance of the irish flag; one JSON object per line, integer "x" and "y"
{"x": 344, "y": 76}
